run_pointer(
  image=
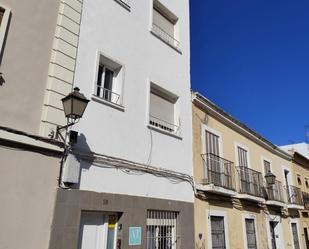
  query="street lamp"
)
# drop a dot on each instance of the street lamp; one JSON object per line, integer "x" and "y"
{"x": 270, "y": 178}
{"x": 74, "y": 105}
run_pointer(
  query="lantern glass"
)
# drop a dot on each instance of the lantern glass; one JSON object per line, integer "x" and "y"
{"x": 270, "y": 178}
{"x": 74, "y": 104}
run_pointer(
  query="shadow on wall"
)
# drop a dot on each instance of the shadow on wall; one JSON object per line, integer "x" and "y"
{"x": 86, "y": 159}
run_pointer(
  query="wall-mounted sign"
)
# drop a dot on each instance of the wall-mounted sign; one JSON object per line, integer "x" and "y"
{"x": 135, "y": 236}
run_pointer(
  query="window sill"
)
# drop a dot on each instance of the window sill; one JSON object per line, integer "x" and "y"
{"x": 163, "y": 131}
{"x": 124, "y": 4}
{"x": 105, "y": 102}
{"x": 177, "y": 49}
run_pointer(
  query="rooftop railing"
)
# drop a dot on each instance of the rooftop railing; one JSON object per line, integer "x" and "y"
{"x": 275, "y": 192}
{"x": 164, "y": 125}
{"x": 250, "y": 181}
{"x": 165, "y": 36}
{"x": 218, "y": 171}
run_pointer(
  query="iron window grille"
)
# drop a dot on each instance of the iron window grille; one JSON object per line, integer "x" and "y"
{"x": 161, "y": 229}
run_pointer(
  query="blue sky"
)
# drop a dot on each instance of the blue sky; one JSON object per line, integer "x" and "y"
{"x": 251, "y": 57}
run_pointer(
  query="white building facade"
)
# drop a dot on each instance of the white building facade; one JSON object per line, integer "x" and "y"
{"x": 129, "y": 176}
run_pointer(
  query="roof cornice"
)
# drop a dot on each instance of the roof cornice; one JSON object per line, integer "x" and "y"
{"x": 218, "y": 113}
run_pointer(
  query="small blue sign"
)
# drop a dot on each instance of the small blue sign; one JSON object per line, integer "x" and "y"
{"x": 135, "y": 236}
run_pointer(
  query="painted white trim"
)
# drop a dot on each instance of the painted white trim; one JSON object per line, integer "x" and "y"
{"x": 226, "y": 231}
{"x": 280, "y": 243}
{"x": 253, "y": 217}
{"x": 236, "y": 145}
{"x": 4, "y": 25}
{"x": 296, "y": 221}
{"x": 204, "y": 128}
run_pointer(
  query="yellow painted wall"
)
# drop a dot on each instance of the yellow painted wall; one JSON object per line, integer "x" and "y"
{"x": 235, "y": 217}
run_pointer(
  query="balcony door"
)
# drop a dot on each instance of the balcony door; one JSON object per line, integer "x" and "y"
{"x": 214, "y": 171}
{"x": 288, "y": 183}
{"x": 244, "y": 169}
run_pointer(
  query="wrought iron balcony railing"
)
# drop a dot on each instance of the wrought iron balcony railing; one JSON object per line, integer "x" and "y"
{"x": 250, "y": 181}
{"x": 218, "y": 171}
{"x": 294, "y": 195}
{"x": 306, "y": 200}
{"x": 163, "y": 125}
{"x": 275, "y": 192}
{"x": 165, "y": 36}
{"x": 108, "y": 95}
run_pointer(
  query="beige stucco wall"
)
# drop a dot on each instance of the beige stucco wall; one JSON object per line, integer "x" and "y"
{"x": 234, "y": 213}
{"x": 28, "y": 184}
{"x": 25, "y": 62}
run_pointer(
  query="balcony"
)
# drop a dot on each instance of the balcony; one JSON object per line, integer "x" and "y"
{"x": 275, "y": 195}
{"x": 219, "y": 175}
{"x": 164, "y": 36}
{"x": 294, "y": 195}
{"x": 164, "y": 126}
{"x": 250, "y": 184}
{"x": 306, "y": 200}
{"x": 107, "y": 95}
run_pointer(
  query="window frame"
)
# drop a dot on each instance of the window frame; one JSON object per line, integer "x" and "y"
{"x": 252, "y": 217}
{"x": 263, "y": 158}
{"x": 4, "y": 26}
{"x": 205, "y": 128}
{"x": 118, "y": 79}
{"x": 295, "y": 221}
{"x": 170, "y": 16}
{"x": 159, "y": 220}
{"x": 223, "y": 214}
{"x": 170, "y": 97}
{"x": 236, "y": 145}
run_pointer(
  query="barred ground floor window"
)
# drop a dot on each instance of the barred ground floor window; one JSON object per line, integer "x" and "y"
{"x": 161, "y": 229}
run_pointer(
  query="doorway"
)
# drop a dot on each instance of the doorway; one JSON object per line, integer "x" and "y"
{"x": 98, "y": 230}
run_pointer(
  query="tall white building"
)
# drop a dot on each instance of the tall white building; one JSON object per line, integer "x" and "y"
{"x": 129, "y": 175}
{"x": 301, "y": 148}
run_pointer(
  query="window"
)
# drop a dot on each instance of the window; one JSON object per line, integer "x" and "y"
{"x": 295, "y": 236}
{"x": 164, "y": 24}
{"x": 242, "y": 157}
{"x": 109, "y": 81}
{"x": 212, "y": 143}
{"x": 4, "y": 21}
{"x": 266, "y": 167}
{"x": 163, "y": 111}
{"x": 161, "y": 229}
{"x": 299, "y": 179}
{"x": 217, "y": 232}
{"x": 306, "y": 182}
{"x": 250, "y": 232}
